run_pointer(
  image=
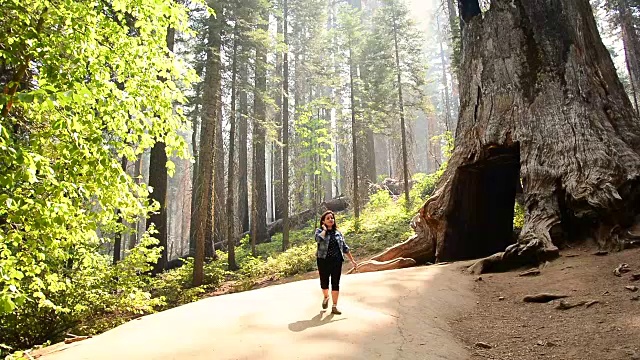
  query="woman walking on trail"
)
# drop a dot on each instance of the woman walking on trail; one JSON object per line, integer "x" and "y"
{"x": 330, "y": 255}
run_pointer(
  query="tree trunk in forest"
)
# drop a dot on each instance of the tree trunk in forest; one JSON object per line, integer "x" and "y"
{"x": 158, "y": 181}
{"x": 285, "y": 129}
{"x": 117, "y": 245}
{"x": 259, "y": 186}
{"x": 140, "y": 224}
{"x": 447, "y": 107}
{"x": 381, "y": 154}
{"x": 454, "y": 42}
{"x": 370, "y": 174}
{"x": 195, "y": 131}
{"x": 342, "y": 162}
{"x": 631, "y": 44}
{"x": 403, "y": 130}
{"x": 203, "y": 183}
{"x": 185, "y": 211}
{"x": 367, "y": 152}
{"x": 354, "y": 134}
{"x": 317, "y": 174}
{"x": 327, "y": 178}
{"x": 389, "y": 157}
{"x": 277, "y": 149}
{"x": 231, "y": 248}
{"x": 300, "y": 182}
{"x": 541, "y": 102}
{"x": 243, "y": 164}
{"x": 367, "y": 147}
{"x": 219, "y": 208}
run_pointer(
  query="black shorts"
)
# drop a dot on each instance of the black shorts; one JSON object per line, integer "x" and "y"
{"x": 330, "y": 268}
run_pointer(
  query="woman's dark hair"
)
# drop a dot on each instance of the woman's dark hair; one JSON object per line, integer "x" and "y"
{"x": 324, "y": 215}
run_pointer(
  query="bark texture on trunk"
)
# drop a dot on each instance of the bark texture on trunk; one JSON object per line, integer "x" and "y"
{"x": 158, "y": 178}
{"x": 243, "y": 165}
{"x": 285, "y": 128}
{"x": 158, "y": 181}
{"x": 120, "y": 237}
{"x": 354, "y": 133}
{"x": 277, "y": 149}
{"x": 259, "y": 186}
{"x": 540, "y": 102}
{"x": 445, "y": 83}
{"x": 403, "y": 130}
{"x": 231, "y": 252}
{"x": 219, "y": 199}
{"x": 202, "y": 224}
{"x": 141, "y": 224}
{"x": 195, "y": 126}
{"x": 454, "y": 40}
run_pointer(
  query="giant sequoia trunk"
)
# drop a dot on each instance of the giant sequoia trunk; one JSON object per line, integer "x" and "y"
{"x": 540, "y": 102}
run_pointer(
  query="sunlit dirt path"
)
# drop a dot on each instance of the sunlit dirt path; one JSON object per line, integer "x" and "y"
{"x": 398, "y": 314}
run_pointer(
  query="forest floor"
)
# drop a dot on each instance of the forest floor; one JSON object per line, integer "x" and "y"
{"x": 609, "y": 329}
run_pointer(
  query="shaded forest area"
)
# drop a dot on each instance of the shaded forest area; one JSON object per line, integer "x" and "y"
{"x": 142, "y": 136}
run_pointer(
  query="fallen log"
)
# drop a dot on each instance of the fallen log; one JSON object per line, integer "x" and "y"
{"x": 336, "y": 204}
{"x": 393, "y": 186}
{"x": 296, "y": 221}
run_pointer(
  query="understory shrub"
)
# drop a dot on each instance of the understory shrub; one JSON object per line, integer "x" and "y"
{"x": 87, "y": 298}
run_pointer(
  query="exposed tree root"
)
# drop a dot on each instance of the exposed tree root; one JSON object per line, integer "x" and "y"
{"x": 374, "y": 265}
{"x": 516, "y": 255}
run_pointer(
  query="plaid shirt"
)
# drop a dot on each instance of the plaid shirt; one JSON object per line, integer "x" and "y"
{"x": 323, "y": 244}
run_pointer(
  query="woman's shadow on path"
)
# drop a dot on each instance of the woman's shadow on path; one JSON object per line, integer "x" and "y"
{"x": 313, "y": 322}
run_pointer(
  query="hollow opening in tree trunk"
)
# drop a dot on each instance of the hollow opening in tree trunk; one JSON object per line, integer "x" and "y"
{"x": 481, "y": 220}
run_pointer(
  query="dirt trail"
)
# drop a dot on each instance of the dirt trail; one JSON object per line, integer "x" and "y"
{"x": 398, "y": 314}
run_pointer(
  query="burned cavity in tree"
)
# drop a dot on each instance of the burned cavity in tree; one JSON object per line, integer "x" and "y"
{"x": 480, "y": 221}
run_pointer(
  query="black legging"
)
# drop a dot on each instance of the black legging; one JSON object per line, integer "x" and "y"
{"x": 330, "y": 268}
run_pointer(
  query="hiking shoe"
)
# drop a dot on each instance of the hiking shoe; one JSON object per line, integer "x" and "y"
{"x": 325, "y": 303}
{"x": 334, "y": 310}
